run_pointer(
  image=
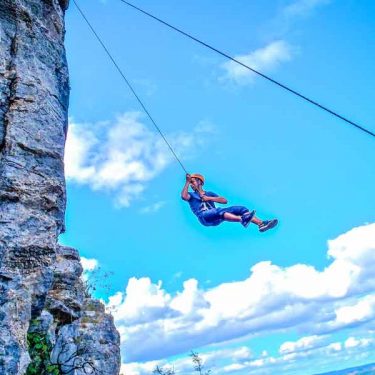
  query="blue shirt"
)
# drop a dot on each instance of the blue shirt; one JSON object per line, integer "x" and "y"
{"x": 197, "y": 205}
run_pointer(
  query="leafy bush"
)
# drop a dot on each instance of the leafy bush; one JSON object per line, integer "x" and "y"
{"x": 40, "y": 350}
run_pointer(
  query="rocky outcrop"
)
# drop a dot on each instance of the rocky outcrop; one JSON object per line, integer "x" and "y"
{"x": 65, "y": 298}
{"x": 40, "y": 286}
{"x": 88, "y": 343}
{"x": 82, "y": 336}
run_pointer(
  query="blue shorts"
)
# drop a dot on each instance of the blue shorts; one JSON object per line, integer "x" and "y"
{"x": 215, "y": 216}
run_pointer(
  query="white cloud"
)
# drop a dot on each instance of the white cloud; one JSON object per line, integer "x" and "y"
{"x": 79, "y": 142}
{"x": 89, "y": 265}
{"x": 352, "y": 342}
{"x": 335, "y": 346}
{"x": 139, "y": 368}
{"x": 144, "y": 302}
{"x": 364, "y": 309}
{"x": 269, "y": 57}
{"x": 190, "y": 299}
{"x": 122, "y": 157}
{"x": 303, "y": 7}
{"x": 210, "y": 360}
{"x": 305, "y": 343}
{"x": 152, "y": 208}
{"x": 318, "y": 353}
{"x": 155, "y": 324}
{"x": 312, "y": 357}
{"x": 264, "y": 59}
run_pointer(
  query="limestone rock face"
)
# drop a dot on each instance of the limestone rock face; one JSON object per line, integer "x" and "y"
{"x": 94, "y": 339}
{"x": 83, "y": 336}
{"x": 15, "y": 314}
{"x": 33, "y": 122}
{"x": 65, "y": 298}
{"x": 39, "y": 280}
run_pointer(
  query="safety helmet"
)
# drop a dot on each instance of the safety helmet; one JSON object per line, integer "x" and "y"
{"x": 199, "y": 176}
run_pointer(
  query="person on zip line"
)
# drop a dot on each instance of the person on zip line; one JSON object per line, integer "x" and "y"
{"x": 202, "y": 204}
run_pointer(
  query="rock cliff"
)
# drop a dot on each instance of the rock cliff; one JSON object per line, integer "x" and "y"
{"x": 42, "y": 299}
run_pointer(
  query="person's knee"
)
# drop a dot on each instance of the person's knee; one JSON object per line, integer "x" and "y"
{"x": 238, "y": 210}
{"x": 244, "y": 210}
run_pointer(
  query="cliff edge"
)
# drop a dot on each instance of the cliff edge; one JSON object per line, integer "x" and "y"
{"x": 42, "y": 297}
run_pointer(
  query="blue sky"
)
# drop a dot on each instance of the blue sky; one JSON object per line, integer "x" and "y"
{"x": 230, "y": 293}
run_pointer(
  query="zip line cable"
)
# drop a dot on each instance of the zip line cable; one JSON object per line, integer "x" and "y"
{"x": 369, "y": 132}
{"x": 129, "y": 85}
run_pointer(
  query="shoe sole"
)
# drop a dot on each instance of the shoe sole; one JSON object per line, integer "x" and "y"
{"x": 272, "y": 224}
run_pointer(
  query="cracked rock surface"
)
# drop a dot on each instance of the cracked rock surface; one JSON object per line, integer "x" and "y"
{"x": 39, "y": 280}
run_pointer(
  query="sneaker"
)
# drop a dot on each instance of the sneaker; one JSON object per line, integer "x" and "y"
{"x": 246, "y": 218}
{"x": 267, "y": 224}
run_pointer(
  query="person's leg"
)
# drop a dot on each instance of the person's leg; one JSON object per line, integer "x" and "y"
{"x": 227, "y": 216}
{"x": 211, "y": 217}
{"x": 235, "y": 210}
{"x": 264, "y": 225}
{"x": 256, "y": 221}
{"x": 235, "y": 213}
{"x": 238, "y": 213}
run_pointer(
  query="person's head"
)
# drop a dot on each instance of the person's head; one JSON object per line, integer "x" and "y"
{"x": 197, "y": 181}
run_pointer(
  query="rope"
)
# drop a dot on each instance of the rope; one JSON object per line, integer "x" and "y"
{"x": 369, "y": 132}
{"x": 129, "y": 85}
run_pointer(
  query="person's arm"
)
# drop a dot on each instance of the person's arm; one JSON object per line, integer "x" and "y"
{"x": 184, "y": 193}
{"x": 217, "y": 199}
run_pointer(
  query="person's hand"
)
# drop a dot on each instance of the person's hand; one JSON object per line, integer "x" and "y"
{"x": 188, "y": 178}
{"x": 204, "y": 198}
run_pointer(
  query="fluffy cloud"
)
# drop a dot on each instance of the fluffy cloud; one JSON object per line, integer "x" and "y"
{"x": 89, "y": 265}
{"x": 145, "y": 302}
{"x": 269, "y": 57}
{"x": 305, "y": 355}
{"x": 263, "y": 59}
{"x": 139, "y": 368}
{"x": 353, "y": 342}
{"x": 155, "y": 324}
{"x": 302, "y": 344}
{"x": 123, "y": 156}
{"x": 210, "y": 360}
{"x": 310, "y": 353}
{"x": 362, "y": 310}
